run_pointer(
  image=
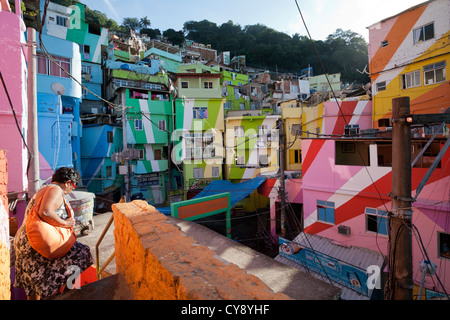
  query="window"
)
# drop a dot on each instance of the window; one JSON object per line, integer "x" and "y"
{"x": 377, "y": 221}
{"x": 138, "y": 124}
{"x": 85, "y": 51}
{"x": 184, "y": 84}
{"x": 227, "y": 106}
{"x": 238, "y": 131}
{"x": 141, "y": 154}
{"x": 86, "y": 69}
{"x": 240, "y": 161}
{"x": 263, "y": 160}
{"x": 209, "y": 150}
{"x": 198, "y": 173}
{"x": 108, "y": 171}
{"x": 215, "y": 172}
{"x": 444, "y": 245}
{"x": 200, "y": 112}
{"x": 295, "y": 156}
{"x": 325, "y": 211}
{"x": 84, "y": 93}
{"x": 94, "y": 29}
{"x": 423, "y": 33}
{"x": 434, "y": 73}
{"x": 384, "y": 43}
{"x": 162, "y": 125}
{"x": 207, "y": 85}
{"x": 52, "y": 67}
{"x": 381, "y": 86}
{"x": 411, "y": 79}
{"x": 193, "y": 146}
{"x": 158, "y": 154}
{"x": 61, "y": 21}
{"x": 351, "y": 130}
{"x": 296, "y": 129}
{"x": 109, "y": 137}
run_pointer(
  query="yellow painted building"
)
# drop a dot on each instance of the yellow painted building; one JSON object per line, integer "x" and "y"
{"x": 408, "y": 55}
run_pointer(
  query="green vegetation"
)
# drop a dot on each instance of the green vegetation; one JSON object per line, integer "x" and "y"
{"x": 342, "y": 52}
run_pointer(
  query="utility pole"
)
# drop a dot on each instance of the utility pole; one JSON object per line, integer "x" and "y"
{"x": 400, "y": 248}
{"x": 282, "y": 191}
{"x": 127, "y": 183}
{"x": 32, "y": 134}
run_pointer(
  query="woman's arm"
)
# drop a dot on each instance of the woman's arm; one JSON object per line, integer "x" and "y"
{"x": 51, "y": 201}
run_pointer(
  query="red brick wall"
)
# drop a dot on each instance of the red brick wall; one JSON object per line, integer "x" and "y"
{"x": 5, "y": 283}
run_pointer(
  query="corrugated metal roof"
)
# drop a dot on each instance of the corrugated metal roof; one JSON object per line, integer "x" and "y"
{"x": 358, "y": 257}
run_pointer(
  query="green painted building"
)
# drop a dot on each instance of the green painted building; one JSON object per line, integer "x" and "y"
{"x": 199, "y": 126}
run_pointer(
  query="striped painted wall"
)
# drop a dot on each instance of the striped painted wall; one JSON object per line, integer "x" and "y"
{"x": 408, "y": 56}
{"x": 350, "y": 189}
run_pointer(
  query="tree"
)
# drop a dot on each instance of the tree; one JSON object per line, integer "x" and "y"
{"x": 152, "y": 33}
{"x": 174, "y": 37}
{"x": 144, "y": 23}
{"x": 131, "y": 23}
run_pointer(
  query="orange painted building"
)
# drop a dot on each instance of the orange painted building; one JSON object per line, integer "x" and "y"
{"x": 408, "y": 56}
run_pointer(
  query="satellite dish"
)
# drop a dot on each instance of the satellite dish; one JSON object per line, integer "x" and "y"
{"x": 58, "y": 88}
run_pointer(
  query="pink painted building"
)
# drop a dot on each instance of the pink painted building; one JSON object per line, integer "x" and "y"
{"x": 13, "y": 98}
{"x": 346, "y": 186}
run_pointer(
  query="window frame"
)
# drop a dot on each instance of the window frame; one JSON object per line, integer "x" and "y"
{"x": 208, "y": 85}
{"x": 422, "y": 33}
{"x": 63, "y": 19}
{"x": 413, "y": 75}
{"x": 330, "y": 216}
{"x": 378, "y": 213}
{"x": 381, "y": 86}
{"x": 49, "y": 65}
{"x": 138, "y": 125}
{"x": 441, "y": 65}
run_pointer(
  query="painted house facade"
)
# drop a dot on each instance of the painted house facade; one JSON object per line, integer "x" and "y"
{"x": 13, "y": 66}
{"x": 199, "y": 117}
{"x": 13, "y": 61}
{"x": 346, "y": 186}
{"x": 100, "y": 173}
{"x": 231, "y": 84}
{"x": 146, "y": 110}
{"x": 409, "y": 55}
{"x": 58, "y": 111}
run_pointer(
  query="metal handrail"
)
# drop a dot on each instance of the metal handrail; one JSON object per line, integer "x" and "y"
{"x": 97, "y": 255}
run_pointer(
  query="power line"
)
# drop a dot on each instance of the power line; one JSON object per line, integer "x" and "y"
{"x": 340, "y": 109}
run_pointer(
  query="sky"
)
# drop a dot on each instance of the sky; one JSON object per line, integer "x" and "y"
{"x": 322, "y": 17}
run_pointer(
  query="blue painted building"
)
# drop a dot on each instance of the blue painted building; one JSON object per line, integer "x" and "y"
{"x": 58, "y": 97}
{"x": 100, "y": 174}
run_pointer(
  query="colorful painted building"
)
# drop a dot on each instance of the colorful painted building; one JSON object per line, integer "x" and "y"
{"x": 291, "y": 113}
{"x": 13, "y": 112}
{"x": 199, "y": 117}
{"x": 231, "y": 84}
{"x": 408, "y": 56}
{"x": 68, "y": 23}
{"x": 100, "y": 173}
{"x": 169, "y": 56}
{"x": 141, "y": 94}
{"x": 251, "y": 146}
{"x": 13, "y": 96}
{"x": 346, "y": 187}
{"x": 59, "y": 97}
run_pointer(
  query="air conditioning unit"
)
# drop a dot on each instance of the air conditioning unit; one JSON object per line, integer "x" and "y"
{"x": 345, "y": 230}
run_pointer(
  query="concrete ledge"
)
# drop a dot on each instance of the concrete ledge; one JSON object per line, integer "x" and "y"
{"x": 277, "y": 276}
{"x": 159, "y": 261}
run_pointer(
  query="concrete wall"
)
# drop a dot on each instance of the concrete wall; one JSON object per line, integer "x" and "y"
{"x": 159, "y": 261}
{"x": 5, "y": 282}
